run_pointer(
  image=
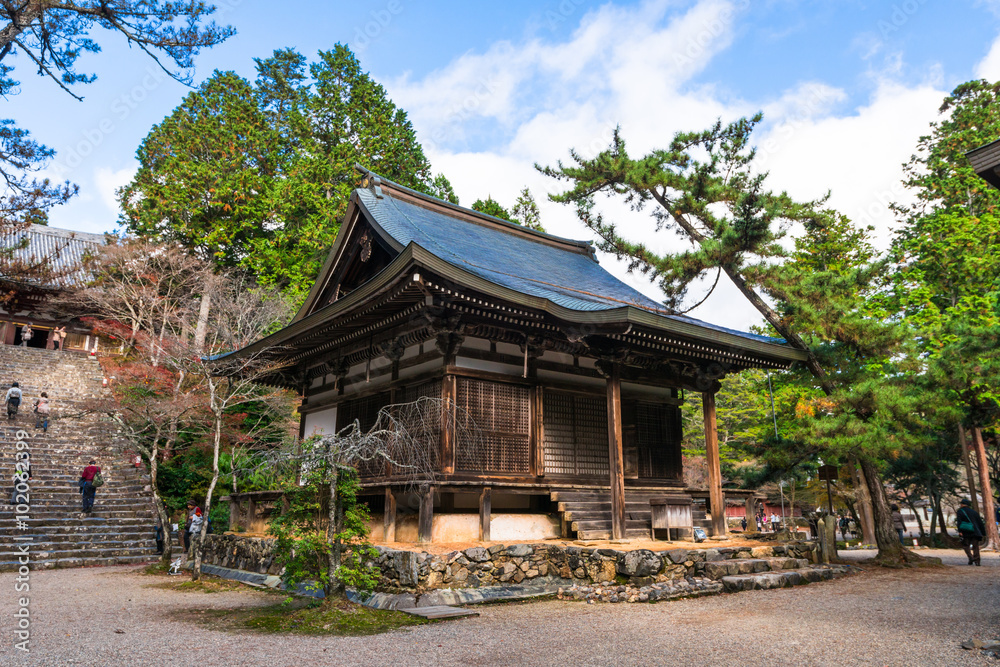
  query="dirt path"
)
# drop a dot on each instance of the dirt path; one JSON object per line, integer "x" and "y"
{"x": 877, "y": 618}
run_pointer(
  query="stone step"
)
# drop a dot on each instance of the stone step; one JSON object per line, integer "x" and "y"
{"x": 135, "y": 559}
{"x": 784, "y": 578}
{"x": 723, "y": 568}
{"x": 606, "y": 534}
{"x": 605, "y": 524}
{"x": 70, "y": 533}
{"x": 78, "y": 519}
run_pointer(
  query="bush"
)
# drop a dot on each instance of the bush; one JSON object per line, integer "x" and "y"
{"x": 301, "y": 544}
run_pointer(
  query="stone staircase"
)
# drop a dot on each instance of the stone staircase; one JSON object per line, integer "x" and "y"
{"x": 587, "y": 512}
{"x": 120, "y": 528}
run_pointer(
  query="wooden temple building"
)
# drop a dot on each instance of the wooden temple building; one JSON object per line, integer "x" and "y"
{"x": 574, "y": 378}
{"x": 53, "y": 260}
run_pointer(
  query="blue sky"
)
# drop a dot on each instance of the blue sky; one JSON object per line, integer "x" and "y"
{"x": 847, "y": 87}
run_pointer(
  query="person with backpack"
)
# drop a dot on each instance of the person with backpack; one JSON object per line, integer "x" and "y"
{"x": 13, "y": 400}
{"x": 42, "y": 410}
{"x": 971, "y": 528}
{"x": 26, "y": 334}
{"x": 193, "y": 524}
{"x": 90, "y": 480}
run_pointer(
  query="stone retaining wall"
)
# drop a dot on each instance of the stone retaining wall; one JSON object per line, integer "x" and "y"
{"x": 499, "y": 565}
{"x": 490, "y": 566}
{"x": 239, "y": 552}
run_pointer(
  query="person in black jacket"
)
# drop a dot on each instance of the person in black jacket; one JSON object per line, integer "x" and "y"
{"x": 971, "y": 528}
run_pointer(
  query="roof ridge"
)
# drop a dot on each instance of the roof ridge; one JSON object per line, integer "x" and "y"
{"x": 374, "y": 183}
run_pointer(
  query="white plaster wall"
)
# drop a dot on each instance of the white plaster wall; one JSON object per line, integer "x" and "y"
{"x": 476, "y": 344}
{"x": 465, "y": 527}
{"x": 557, "y": 357}
{"x": 413, "y": 371}
{"x": 571, "y": 379}
{"x": 491, "y": 366}
{"x": 632, "y": 389}
{"x": 321, "y": 421}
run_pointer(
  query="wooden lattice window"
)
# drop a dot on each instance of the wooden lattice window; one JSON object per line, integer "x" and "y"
{"x": 428, "y": 431}
{"x": 576, "y": 434}
{"x": 365, "y": 411}
{"x": 499, "y": 413}
{"x": 658, "y": 441}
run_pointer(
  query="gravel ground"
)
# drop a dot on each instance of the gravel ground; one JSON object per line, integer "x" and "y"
{"x": 876, "y": 618}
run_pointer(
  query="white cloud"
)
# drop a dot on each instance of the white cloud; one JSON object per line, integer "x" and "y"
{"x": 989, "y": 67}
{"x": 637, "y": 67}
{"x": 108, "y": 181}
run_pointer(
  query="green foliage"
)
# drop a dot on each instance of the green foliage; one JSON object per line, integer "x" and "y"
{"x": 258, "y": 176}
{"x": 525, "y": 211}
{"x": 489, "y": 206}
{"x": 702, "y": 186}
{"x": 302, "y": 545}
{"x": 946, "y": 250}
{"x": 183, "y": 477}
{"x": 309, "y": 617}
{"x": 52, "y": 37}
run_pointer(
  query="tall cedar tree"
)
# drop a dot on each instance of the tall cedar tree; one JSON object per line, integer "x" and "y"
{"x": 51, "y": 35}
{"x": 259, "y": 176}
{"x": 703, "y": 187}
{"x": 948, "y": 257}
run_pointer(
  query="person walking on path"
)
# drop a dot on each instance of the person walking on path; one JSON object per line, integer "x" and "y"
{"x": 26, "y": 334}
{"x": 971, "y": 528}
{"x": 58, "y": 338}
{"x": 12, "y": 400}
{"x": 897, "y": 522}
{"x": 88, "y": 488}
{"x": 42, "y": 410}
{"x": 774, "y": 522}
{"x": 193, "y": 524}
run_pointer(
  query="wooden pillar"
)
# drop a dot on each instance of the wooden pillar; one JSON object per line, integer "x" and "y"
{"x": 716, "y": 500}
{"x": 389, "y": 520}
{"x": 251, "y": 513}
{"x": 615, "y": 457}
{"x": 234, "y": 514}
{"x": 426, "y": 519}
{"x": 449, "y": 395}
{"x": 537, "y": 432}
{"x": 485, "y": 513}
{"x": 992, "y": 538}
{"x": 751, "y": 512}
{"x": 968, "y": 467}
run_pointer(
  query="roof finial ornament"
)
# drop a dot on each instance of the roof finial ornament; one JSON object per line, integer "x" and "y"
{"x": 370, "y": 180}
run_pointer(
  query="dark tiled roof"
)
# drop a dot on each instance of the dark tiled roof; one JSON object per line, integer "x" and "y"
{"x": 564, "y": 272}
{"x": 986, "y": 161}
{"x": 63, "y": 248}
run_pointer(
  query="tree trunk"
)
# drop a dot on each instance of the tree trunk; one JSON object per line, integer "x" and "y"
{"x": 934, "y": 518}
{"x": 866, "y": 516}
{"x": 333, "y": 529}
{"x": 201, "y": 330}
{"x": 940, "y": 512}
{"x": 199, "y": 545}
{"x": 161, "y": 512}
{"x": 920, "y": 522}
{"x": 886, "y": 539}
{"x": 969, "y": 475}
{"x": 992, "y": 538}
